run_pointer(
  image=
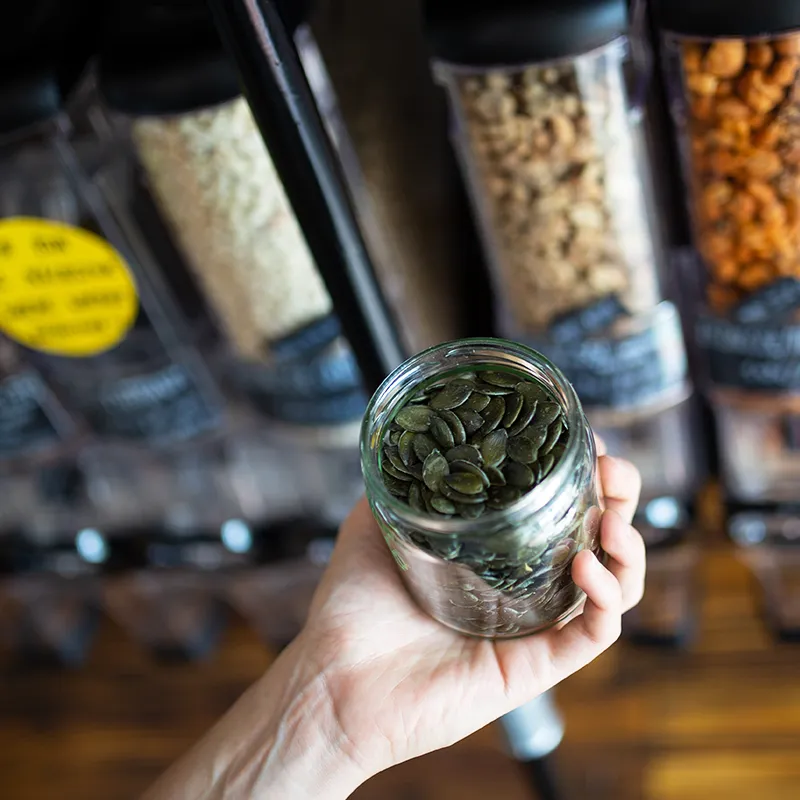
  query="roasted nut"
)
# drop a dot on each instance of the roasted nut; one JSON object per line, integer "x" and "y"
{"x": 692, "y": 58}
{"x": 714, "y": 199}
{"x": 733, "y": 108}
{"x": 702, "y": 83}
{"x": 784, "y": 72}
{"x": 726, "y": 271}
{"x": 755, "y": 276}
{"x": 722, "y": 298}
{"x": 726, "y": 58}
{"x": 743, "y": 207}
{"x": 787, "y": 45}
{"x": 759, "y": 55}
{"x": 762, "y": 164}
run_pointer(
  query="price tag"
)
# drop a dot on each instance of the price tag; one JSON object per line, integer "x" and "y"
{"x": 63, "y": 290}
{"x": 625, "y": 371}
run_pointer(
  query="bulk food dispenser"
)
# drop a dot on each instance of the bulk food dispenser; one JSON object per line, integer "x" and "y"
{"x": 547, "y": 119}
{"x": 732, "y": 72}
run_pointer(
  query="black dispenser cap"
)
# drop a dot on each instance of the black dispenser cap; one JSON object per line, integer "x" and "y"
{"x": 512, "y": 32}
{"x": 47, "y": 44}
{"x": 727, "y": 17}
{"x": 163, "y": 57}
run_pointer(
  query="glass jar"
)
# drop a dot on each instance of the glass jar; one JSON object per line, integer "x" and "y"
{"x": 506, "y": 573}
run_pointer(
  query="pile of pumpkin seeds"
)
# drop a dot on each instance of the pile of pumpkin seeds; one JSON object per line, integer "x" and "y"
{"x": 472, "y": 444}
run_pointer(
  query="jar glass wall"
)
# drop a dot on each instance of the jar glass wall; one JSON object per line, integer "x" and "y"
{"x": 505, "y": 573}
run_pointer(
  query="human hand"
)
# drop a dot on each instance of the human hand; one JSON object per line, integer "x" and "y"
{"x": 400, "y": 684}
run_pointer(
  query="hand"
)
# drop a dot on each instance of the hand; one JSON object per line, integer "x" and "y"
{"x": 372, "y": 681}
{"x": 401, "y": 684}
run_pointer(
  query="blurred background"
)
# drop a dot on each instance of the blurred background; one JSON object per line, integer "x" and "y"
{"x": 223, "y": 223}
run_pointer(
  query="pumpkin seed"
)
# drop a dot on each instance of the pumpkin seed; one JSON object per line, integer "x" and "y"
{"x": 548, "y": 412}
{"x": 453, "y": 395}
{"x": 503, "y": 497}
{"x": 393, "y": 454}
{"x": 415, "y": 498}
{"x": 464, "y": 482}
{"x": 423, "y": 445}
{"x": 533, "y": 392}
{"x": 434, "y": 469}
{"x": 537, "y": 433}
{"x": 493, "y": 447}
{"x": 491, "y": 389}
{"x": 415, "y": 471}
{"x": 455, "y": 425}
{"x": 526, "y": 415}
{"x": 553, "y": 432}
{"x": 495, "y": 476}
{"x": 547, "y": 464}
{"x": 477, "y": 401}
{"x": 394, "y": 437}
{"x": 459, "y": 497}
{"x": 513, "y": 407}
{"x": 505, "y": 379}
{"x": 442, "y": 505}
{"x": 492, "y": 414}
{"x": 465, "y": 452}
{"x": 519, "y": 475}
{"x": 389, "y": 469}
{"x": 472, "y": 420}
{"x": 414, "y": 418}
{"x": 472, "y": 469}
{"x": 522, "y": 450}
{"x": 470, "y": 512}
{"x": 405, "y": 447}
{"x": 396, "y": 487}
{"x": 558, "y": 451}
{"x": 440, "y": 431}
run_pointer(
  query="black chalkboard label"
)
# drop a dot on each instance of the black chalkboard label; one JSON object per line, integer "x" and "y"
{"x": 578, "y": 325}
{"x": 165, "y": 405}
{"x": 24, "y": 422}
{"x": 307, "y": 340}
{"x": 756, "y": 357}
{"x": 625, "y": 371}
{"x": 772, "y": 304}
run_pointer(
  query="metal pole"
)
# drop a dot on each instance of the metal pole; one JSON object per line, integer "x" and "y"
{"x": 284, "y": 110}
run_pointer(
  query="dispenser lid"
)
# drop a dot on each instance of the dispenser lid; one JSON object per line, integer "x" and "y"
{"x": 44, "y": 52}
{"x": 163, "y": 57}
{"x": 508, "y": 32}
{"x": 713, "y": 18}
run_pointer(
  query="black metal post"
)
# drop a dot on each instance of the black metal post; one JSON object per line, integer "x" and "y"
{"x": 283, "y": 107}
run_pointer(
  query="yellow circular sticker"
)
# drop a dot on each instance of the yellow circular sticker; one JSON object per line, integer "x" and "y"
{"x": 63, "y": 290}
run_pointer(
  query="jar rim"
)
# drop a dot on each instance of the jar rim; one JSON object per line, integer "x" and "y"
{"x": 395, "y": 388}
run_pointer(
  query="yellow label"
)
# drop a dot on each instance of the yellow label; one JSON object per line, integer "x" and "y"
{"x": 63, "y": 290}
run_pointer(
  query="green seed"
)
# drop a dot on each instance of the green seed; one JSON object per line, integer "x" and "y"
{"x": 415, "y": 498}
{"x": 492, "y": 414}
{"x": 415, "y": 471}
{"x": 537, "y": 432}
{"x": 493, "y": 447}
{"x": 455, "y": 425}
{"x": 453, "y": 395}
{"x": 464, "y": 482}
{"x": 434, "y": 469}
{"x": 495, "y": 476}
{"x": 514, "y": 404}
{"x": 477, "y": 402}
{"x": 503, "y": 497}
{"x": 548, "y": 412}
{"x": 472, "y": 469}
{"x": 392, "y": 454}
{"x": 405, "y": 447}
{"x": 504, "y": 379}
{"x": 389, "y": 469}
{"x": 440, "y": 431}
{"x": 522, "y": 450}
{"x": 396, "y": 487}
{"x": 414, "y": 418}
{"x": 459, "y": 497}
{"x": 491, "y": 389}
{"x": 526, "y": 415}
{"x": 533, "y": 392}
{"x": 472, "y": 420}
{"x": 442, "y": 505}
{"x": 547, "y": 464}
{"x": 470, "y": 512}
{"x": 465, "y": 452}
{"x": 553, "y": 432}
{"x": 519, "y": 475}
{"x": 423, "y": 445}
